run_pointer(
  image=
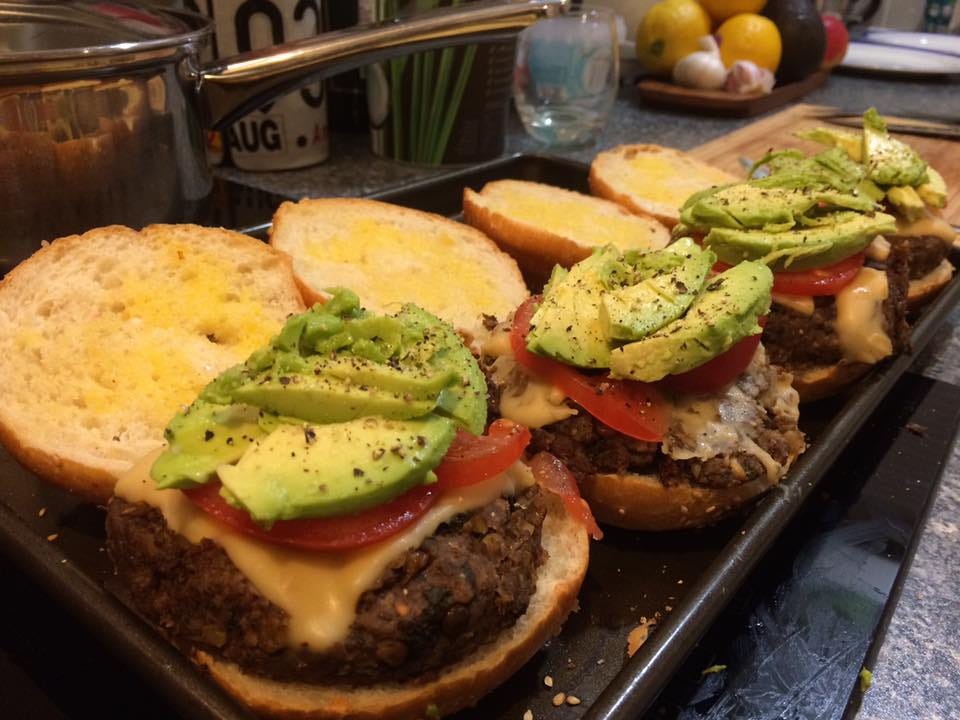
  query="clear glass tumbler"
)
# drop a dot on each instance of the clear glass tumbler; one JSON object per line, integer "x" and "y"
{"x": 566, "y": 75}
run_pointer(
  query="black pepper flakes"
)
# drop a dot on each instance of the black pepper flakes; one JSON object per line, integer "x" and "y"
{"x": 208, "y": 435}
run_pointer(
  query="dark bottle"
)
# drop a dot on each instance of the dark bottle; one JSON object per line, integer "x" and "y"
{"x": 346, "y": 92}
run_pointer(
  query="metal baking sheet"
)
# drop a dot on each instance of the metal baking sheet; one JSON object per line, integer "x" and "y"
{"x": 687, "y": 578}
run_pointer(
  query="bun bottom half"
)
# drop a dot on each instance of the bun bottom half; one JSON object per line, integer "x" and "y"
{"x": 824, "y": 381}
{"x": 924, "y": 289}
{"x": 642, "y": 502}
{"x": 459, "y": 686}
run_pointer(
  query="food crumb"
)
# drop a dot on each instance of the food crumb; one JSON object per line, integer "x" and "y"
{"x": 866, "y": 679}
{"x": 558, "y": 699}
{"x": 528, "y": 715}
{"x": 548, "y": 681}
{"x": 41, "y": 512}
{"x": 916, "y": 428}
{"x": 601, "y": 661}
{"x": 573, "y": 700}
{"x": 714, "y": 669}
{"x": 52, "y": 537}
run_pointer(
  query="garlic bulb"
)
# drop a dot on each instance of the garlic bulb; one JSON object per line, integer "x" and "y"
{"x": 703, "y": 69}
{"x": 746, "y": 77}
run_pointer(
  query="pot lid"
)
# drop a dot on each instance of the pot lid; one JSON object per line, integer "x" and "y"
{"x": 48, "y": 35}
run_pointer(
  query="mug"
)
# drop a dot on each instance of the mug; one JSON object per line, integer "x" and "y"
{"x": 287, "y": 133}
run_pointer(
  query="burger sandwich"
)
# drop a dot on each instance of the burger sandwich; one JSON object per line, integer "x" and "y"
{"x": 643, "y": 373}
{"x": 334, "y": 531}
{"x": 913, "y": 192}
{"x": 835, "y": 311}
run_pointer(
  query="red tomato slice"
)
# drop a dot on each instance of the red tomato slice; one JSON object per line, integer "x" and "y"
{"x": 633, "y": 408}
{"x": 472, "y": 458}
{"x": 332, "y": 533}
{"x": 555, "y": 477}
{"x": 820, "y": 281}
{"x": 718, "y": 372}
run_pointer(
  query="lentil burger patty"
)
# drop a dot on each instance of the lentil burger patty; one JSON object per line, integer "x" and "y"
{"x": 434, "y": 605}
{"x": 797, "y": 341}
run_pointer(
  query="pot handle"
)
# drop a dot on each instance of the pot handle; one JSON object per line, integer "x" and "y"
{"x": 232, "y": 87}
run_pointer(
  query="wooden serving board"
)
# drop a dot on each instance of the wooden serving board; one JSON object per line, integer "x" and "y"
{"x": 721, "y": 102}
{"x": 776, "y": 132}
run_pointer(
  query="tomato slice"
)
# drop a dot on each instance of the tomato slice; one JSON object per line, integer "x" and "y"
{"x": 633, "y": 408}
{"x": 331, "y": 533}
{"x": 473, "y": 458}
{"x": 718, "y": 372}
{"x": 470, "y": 459}
{"x": 827, "y": 280}
{"x": 555, "y": 477}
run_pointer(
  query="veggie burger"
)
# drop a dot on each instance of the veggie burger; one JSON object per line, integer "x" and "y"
{"x": 836, "y": 312}
{"x": 333, "y": 529}
{"x": 644, "y": 374}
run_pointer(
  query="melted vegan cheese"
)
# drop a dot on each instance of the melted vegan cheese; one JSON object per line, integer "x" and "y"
{"x": 878, "y": 249}
{"x": 725, "y": 424}
{"x": 860, "y": 321}
{"x": 931, "y": 224}
{"x": 524, "y": 398}
{"x": 319, "y": 591}
{"x": 802, "y": 304}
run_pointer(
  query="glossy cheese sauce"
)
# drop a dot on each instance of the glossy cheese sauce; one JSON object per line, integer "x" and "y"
{"x": 724, "y": 424}
{"x": 931, "y": 224}
{"x": 319, "y": 591}
{"x": 879, "y": 249}
{"x": 802, "y": 304}
{"x": 860, "y": 322}
{"x": 523, "y": 398}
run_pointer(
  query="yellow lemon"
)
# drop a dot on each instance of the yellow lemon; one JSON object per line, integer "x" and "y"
{"x": 720, "y": 10}
{"x": 750, "y": 37}
{"x": 668, "y": 32}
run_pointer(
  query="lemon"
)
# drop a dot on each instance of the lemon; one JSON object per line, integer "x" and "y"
{"x": 720, "y": 10}
{"x": 750, "y": 37}
{"x": 670, "y": 31}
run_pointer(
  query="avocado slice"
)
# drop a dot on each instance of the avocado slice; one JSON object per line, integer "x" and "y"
{"x": 290, "y": 473}
{"x": 752, "y": 205}
{"x": 201, "y": 438}
{"x": 801, "y": 248}
{"x": 323, "y": 399}
{"x": 661, "y": 296}
{"x": 907, "y": 201}
{"x": 567, "y": 324}
{"x": 439, "y": 348}
{"x": 847, "y": 140}
{"x": 889, "y": 161}
{"x": 724, "y": 314}
{"x": 934, "y": 191}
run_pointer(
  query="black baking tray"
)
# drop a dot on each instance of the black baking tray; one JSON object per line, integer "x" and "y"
{"x": 688, "y": 577}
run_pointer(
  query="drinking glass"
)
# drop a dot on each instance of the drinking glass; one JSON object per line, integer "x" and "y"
{"x": 566, "y": 74}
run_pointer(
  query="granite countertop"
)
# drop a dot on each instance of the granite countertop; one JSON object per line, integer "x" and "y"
{"x": 917, "y": 672}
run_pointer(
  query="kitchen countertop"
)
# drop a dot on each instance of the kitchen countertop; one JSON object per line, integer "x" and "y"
{"x": 917, "y": 671}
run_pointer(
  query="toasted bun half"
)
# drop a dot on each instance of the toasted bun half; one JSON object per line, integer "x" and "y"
{"x": 542, "y": 226}
{"x": 642, "y": 502}
{"x": 390, "y": 255}
{"x": 652, "y": 180}
{"x": 924, "y": 289}
{"x": 461, "y": 685}
{"x": 103, "y": 336}
{"x": 824, "y": 381}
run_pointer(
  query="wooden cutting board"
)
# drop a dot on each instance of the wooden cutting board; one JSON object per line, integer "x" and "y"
{"x": 776, "y": 132}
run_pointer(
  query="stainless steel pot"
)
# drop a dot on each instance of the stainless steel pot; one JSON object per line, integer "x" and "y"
{"x": 103, "y": 105}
